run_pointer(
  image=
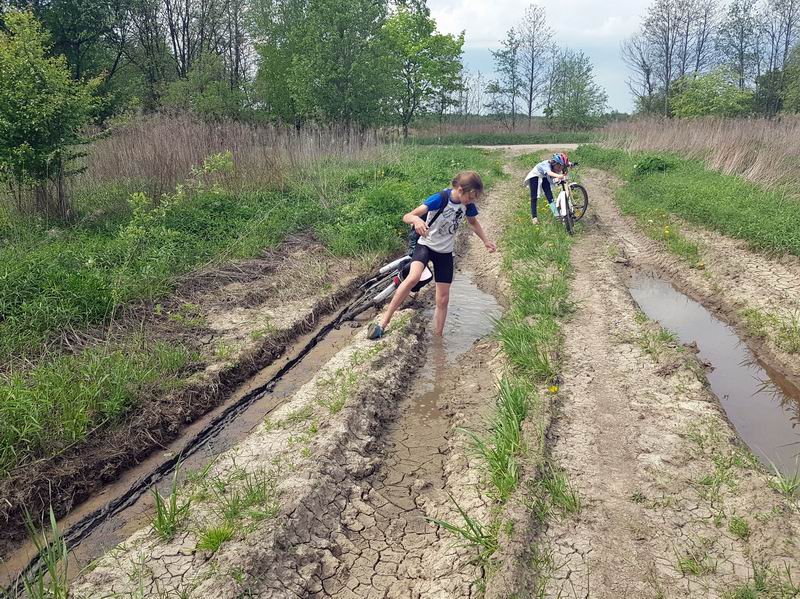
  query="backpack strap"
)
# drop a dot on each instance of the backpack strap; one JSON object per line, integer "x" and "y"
{"x": 444, "y": 197}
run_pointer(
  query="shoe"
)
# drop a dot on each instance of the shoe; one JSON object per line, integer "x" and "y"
{"x": 534, "y": 220}
{"x": 374, "y": 331}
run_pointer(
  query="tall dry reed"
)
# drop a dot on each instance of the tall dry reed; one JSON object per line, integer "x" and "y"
{"x": 158, "y": 151}
{"x": 761, "y": 150}
{"x": 453, "y": 126}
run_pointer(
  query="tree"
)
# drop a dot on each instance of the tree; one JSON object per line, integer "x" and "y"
{"x": 424, "y": 66}
{"x": 206, "y": 91}
{"x": 42, "y": 110}
{"x": 737, "y": 40}
{"x": 792, "y": 82}
{"x": 535, "y": 48}
{"x": 507, "y": 89}
{"x": 578, "y": 101}
{"x": 711, "y": 94}
{"x": 638, "y": 55}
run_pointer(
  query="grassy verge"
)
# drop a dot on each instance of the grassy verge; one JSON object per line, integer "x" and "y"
{"x": 658, "y": 186}
{"x": 537, "y": 260}
{"x": 501, "y": 139}
{"x": 75, "y": 277}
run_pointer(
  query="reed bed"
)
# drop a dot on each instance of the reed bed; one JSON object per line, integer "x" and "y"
{"x": 760, "y": 150}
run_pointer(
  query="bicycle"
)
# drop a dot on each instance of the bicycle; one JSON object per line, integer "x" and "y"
{"x": 572, "y": 202}
{"x": 379, "y": 288}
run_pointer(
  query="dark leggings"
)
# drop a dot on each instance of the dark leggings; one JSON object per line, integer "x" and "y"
{"x": 534, "y": 185}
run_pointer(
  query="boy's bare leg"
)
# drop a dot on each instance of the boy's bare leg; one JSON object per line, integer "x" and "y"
{"x": 414, "y": 274}
{"x": 442, "y": 299}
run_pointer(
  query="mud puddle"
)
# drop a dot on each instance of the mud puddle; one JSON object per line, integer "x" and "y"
{"x": 388, "y": 533}
{"x": 119, "y": 517}
{"x": 762, "y": 405}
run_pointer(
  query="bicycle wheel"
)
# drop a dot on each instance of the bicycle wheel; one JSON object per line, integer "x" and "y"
{"x": 371, "y": 297}
{"x": 580, "y": 200}
{"x": 569, "y": 223}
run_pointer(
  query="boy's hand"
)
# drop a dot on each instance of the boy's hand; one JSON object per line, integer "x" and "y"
{"x": 420, "y": 227}
{"x": 490, "y": 246}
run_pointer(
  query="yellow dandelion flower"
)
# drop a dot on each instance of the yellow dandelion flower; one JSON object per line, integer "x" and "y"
{"x": 553, "y": 388}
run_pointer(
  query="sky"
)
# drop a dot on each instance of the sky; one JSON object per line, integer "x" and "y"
{"x": 595, "y": 27}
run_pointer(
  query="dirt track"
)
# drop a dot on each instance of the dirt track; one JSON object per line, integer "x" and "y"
{"x": 657, "y": 464}
{"x": 659, "y": 470}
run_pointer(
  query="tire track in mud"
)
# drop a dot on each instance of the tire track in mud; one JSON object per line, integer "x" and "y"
{"x": 647, "y": 445}
{"x": 356, "y": 523}
{"x": 389, "y": 546}
{"x": 733, "y": 278}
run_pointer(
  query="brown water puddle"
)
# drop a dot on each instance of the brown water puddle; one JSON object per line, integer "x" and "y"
{"x": 116, "y": 528}
{"x": 761, "y": 403}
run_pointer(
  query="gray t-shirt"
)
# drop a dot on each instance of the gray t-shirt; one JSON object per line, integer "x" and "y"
{"x": 441, "y": 235}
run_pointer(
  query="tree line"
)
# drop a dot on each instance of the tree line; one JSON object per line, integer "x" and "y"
{"x": 360, "y": 63}
{"x": 707, "y": 58}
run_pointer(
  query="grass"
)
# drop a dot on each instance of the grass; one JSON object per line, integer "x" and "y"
{"x": 56, "y": 405}
{"x": 336, "y": 389}
{"x": 503, "y": 138}
{"x": 123, "y": 249}
{"x": 766, "y": 581}
{"x": 52, "y": 581}
{"x": 767, "y": 219}
{"x": 483, "y": 538}
{"x": 212, "y": 538}
{"x": 739, "y": 527}
{"x": 696, "y": 560}
{"x": 784, "y": 329}
{"x": 656, "y": 341}
{"x": 500, "y": 448}
{"x": 169, "y": 514}
{"x": 787, "y": 485}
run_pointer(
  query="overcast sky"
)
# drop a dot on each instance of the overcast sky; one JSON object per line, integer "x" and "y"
{"x": 595, "y": 27}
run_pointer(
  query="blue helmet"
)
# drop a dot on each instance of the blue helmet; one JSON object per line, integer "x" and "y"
{"x": 561, "y": 159}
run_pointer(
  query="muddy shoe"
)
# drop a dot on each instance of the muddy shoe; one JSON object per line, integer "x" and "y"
{"x": 374, "y": 331}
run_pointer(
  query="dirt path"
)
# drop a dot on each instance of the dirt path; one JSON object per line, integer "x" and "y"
{"x": 671, "y": 506}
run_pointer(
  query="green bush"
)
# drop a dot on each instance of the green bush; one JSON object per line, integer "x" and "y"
{"x": 652, "y": 163}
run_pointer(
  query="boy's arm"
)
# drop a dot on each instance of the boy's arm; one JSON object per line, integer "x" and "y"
{"x": 415, "y": 218}
{"x": 556, "y": 175}
{"x": 476, "y": 227}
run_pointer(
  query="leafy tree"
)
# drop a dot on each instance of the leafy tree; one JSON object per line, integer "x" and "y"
{"x": 713, "y": 94}
{"x": 206, "y": 91}
{"x": 791, "y": 101}
{"x": 424, "y": 66}
{"x": 578, "y": 101}
{"x": 737, "y": 39}
{"x": 42, "y": 110}
{"x": 507, "y": 89}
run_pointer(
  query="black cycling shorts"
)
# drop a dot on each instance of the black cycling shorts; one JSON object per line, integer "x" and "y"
{"x": 442, "y": 263}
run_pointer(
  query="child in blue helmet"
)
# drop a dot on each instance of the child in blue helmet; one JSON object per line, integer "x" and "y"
{"x": 546, "y": 171}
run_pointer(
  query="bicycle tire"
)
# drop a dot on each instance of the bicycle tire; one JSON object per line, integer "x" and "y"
{"x": 364, "y": 303}
{"x": 569, "y": 223}
{"x": 368, "y": 300}
{"x": 578, "y": 192}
